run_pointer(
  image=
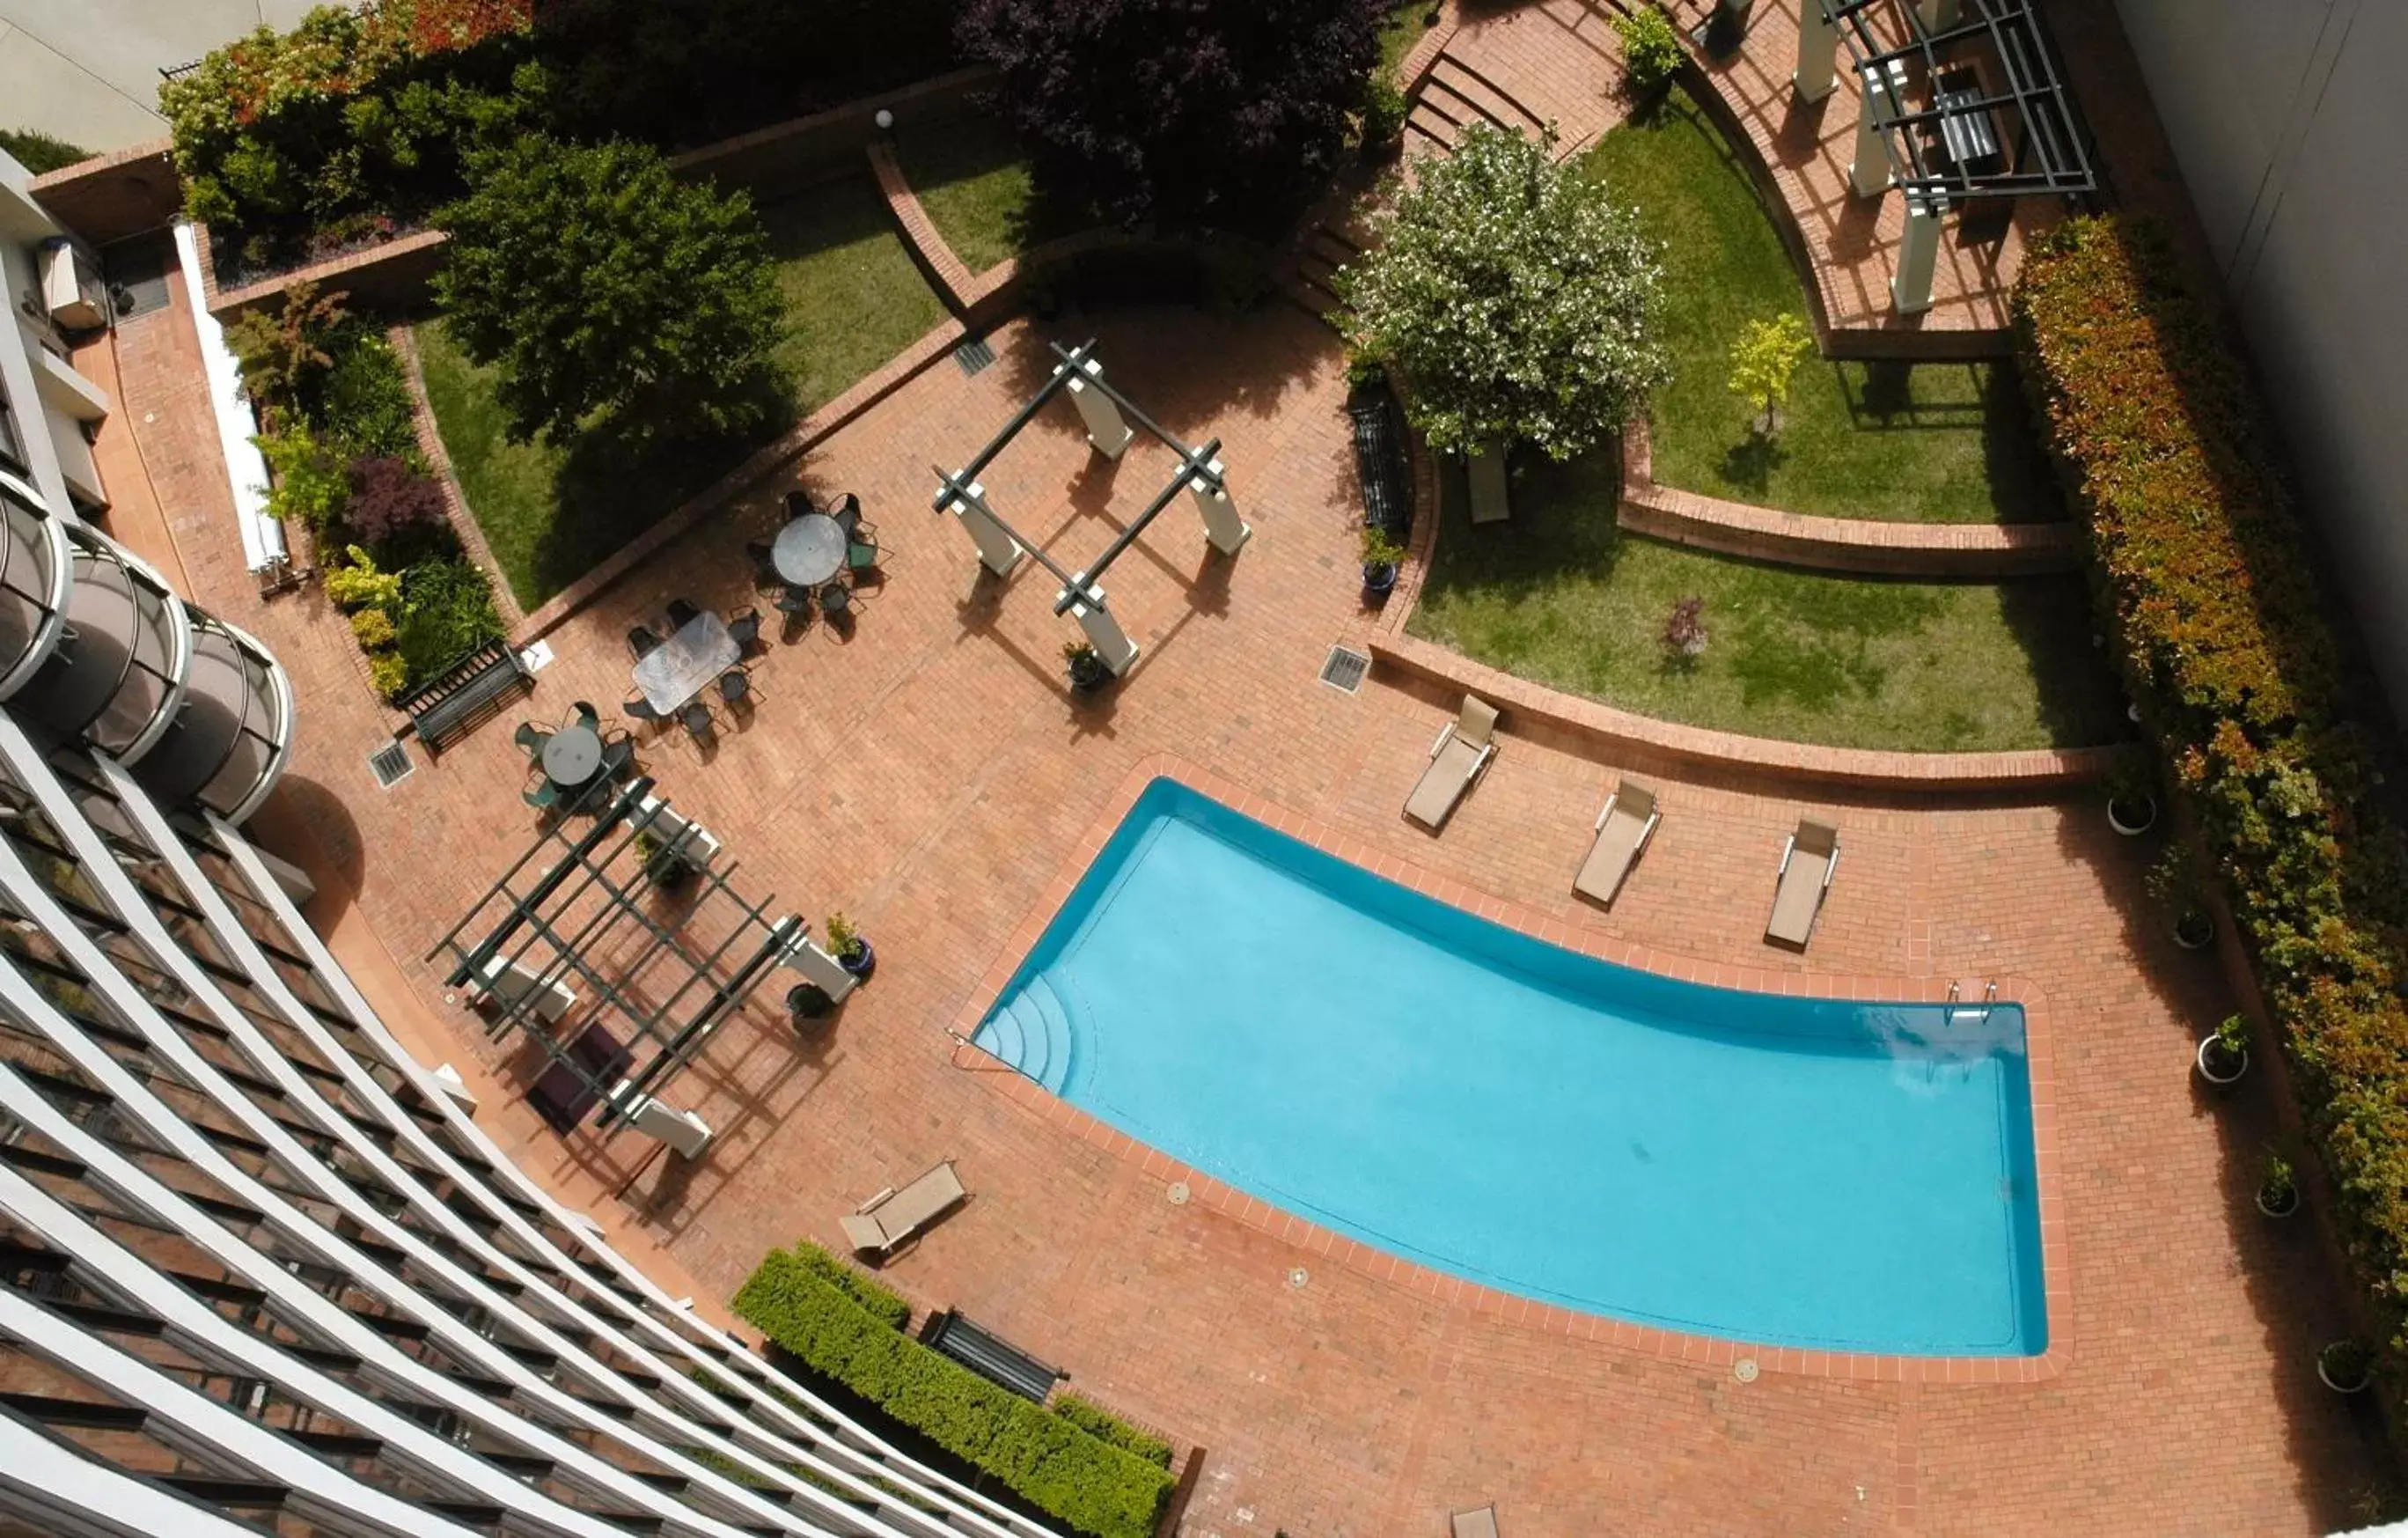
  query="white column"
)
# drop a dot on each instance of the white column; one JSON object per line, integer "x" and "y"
{"x": 1818, "y": 52}
{"x": 1104, "y": 633}
{"x": 511, "y": 982}
{"x": 447, "y": 1079}
{"x": 998, "y": 551}
{"x": 683, "y": 1130}
{"x": 818, "y": 967}
{"x": 1909, "y": 290}
{"x": 1222, "y": 526}
{"x": 1870, "y": 173}
{"x": 1107, "y": 434}
{"x": 1939, "y": 15}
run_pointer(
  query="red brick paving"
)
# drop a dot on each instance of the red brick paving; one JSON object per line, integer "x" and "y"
{"x": 928, "y": 775}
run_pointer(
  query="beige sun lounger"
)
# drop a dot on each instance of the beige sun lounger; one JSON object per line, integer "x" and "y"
{"x": 1623, "y": 830}
{"x": 1807, "y": 862}
{"x": 1463, "y": 749}
{"x": 1489, "y": 503}
{"x": 1476, "y": 1524}
{"x": 887, "y": 1219}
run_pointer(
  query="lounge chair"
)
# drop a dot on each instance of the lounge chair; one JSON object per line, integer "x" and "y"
{"x": 1807, "y": 862}
{"x": 887, "y": 1220}
{"x": 1623, "y": 829}
{"x": 1489, "y": 503}
{"x": 1462, "y": 751}
{"x": 1475, "y": 1524}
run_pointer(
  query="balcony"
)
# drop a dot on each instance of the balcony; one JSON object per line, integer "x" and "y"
{"x": 233, "y": 729}
{"x": 35, "y": 577}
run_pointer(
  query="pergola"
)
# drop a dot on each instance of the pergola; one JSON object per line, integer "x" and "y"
{"x": 620, "y": 948}
{"x": 1973, "y": 67}
{"x": 1199, "y": 473}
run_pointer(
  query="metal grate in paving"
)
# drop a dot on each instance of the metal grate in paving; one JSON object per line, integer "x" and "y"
{"x": 390, "y": 764}
{"x": 974, "y": 356}
{"x": 1345, "y": 670}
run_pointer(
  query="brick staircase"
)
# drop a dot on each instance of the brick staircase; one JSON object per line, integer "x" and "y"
{"x": 1454, "y": 96}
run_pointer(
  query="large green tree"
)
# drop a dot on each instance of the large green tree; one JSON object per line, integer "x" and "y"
{"x": 603, "y": 286}
{"x": 1518, "y": 298}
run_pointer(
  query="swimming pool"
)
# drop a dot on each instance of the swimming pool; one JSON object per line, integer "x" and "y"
{"x": 1790, "y": 1171}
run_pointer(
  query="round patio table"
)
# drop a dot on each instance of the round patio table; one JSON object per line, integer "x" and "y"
{"x": 573, "y": 757}
{"x": 809, "y": 550}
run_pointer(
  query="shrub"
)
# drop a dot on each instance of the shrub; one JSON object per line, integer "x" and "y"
{"x": 1763, "y": 362}
{"x": 372, "y": 628}
{"x": 1651, "y": 50}
{"x": 1385, "y": 111}
{"x": 600, "y": 283}
{"x": 390, "y": 499}
{"x": 306, "y": 481}
{"x": 446, "y": 609}
{"x": 1520, "y": 299}
{"x": 40, "y": 153}
{"x": 2221, "y": 632}
{"x": 284, "y": 352}
{"x": 363, "y": 402}
{"x": 1094, "y": 1486}
{"x": 388, "y": 674}
{"x": 878, "y": 1301}
{"x": 1179, "y": 114}
{"x": 1685, "y": 631}
{"x": 356, "y": 583}
{"x": 1102, "y": 1424}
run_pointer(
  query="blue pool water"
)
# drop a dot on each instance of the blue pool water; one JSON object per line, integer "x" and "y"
{"x": 1849, "y": 1176}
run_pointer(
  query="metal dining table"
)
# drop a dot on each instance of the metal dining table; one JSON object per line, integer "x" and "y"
{"x": 672, "y": 673}
{"x": 809, "y": 550}
{"x": 573, "y": 757}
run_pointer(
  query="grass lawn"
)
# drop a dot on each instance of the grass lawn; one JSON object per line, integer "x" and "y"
{"x": 1562, "y": 596}
{"x": 974, "y": 184}
{"x": 1407, "y": 20}
{"x": 1936, "y": 442}
{"x": 551, "y": 511}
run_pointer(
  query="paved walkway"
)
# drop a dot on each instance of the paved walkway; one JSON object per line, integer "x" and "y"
{"x": 927, "y": 775}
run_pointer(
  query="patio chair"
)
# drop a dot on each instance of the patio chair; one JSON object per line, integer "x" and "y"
{"x": 835, "y": 598}
{"x": 618, "y": 758}
{"x": 1464, "y": 747}
{"x": 799, "y": 502}
{"x": 846, "y": 513}
{"x": 640, "y": 640}
{"x": 888, "y": 1220}
{"x": 735, "y": 687}
{"x": 587, "y": 716}
{"x": 682, "y": 612}
{"x": 637, "y": 707}
{"x": 744, "y": 628}
{"x": 765, "y": 563}
{"x": 531, "y": 738}
{"x": 795, "y": 602}
{"x": 1481, "y": 1523}
{"x": 543, "y": 798}
{"x": 698, "y": 724}
{"x": 1489, "y": 503}
{"x": 860, "y": 557}
{"x": 1623, "y": 829}
{"x": 1807, "y": 862}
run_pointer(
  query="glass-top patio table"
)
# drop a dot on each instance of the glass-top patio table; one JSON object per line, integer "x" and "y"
{"x": 679, "y": 668}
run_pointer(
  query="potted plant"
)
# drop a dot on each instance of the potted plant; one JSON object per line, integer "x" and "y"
{"x": 2175, "y": 881}
{"x": 850, "y": 947}
{"x": 2132, "y": 798}
{"x": 2278, "y": 1192}
{"x": 2345, "y": 1366}
{"x": 1087, "y": 670}
{"x": 2223, "y": 1054}
{"x": 808, "y": 1003}
{"x": 1384, "y": 110}
{"x": 1381, "y": 556}
{"x": 666, "y": 865}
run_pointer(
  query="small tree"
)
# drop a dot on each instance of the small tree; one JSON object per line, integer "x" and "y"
{"x": 599, "y": 283}
{"x": 1519, "y": 297}
{"x": 1651, "y": 50}
{"x": 1177, "y": 111}
{"x": 1764, "y": 360}
{"x": 283, "y": 353}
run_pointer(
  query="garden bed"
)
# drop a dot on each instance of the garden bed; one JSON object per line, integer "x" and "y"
{"x": 551, "y": 511}
{"x": 1939, "y": 442}
{"x": 1562, "y": 596}
{"x": 974, "y": 184}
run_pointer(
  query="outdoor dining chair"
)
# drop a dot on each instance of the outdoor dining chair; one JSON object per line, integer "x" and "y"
{"x": 735, "y": 687}
{"x": 543, "y": 798}
{"x": 682, "y": 612}
{"x": 640, "y": 640}
{"x": 531, "y": 738}
{"x": 698, "y": 725}
{"x": 618, "y": 758}
{"x": 835, "y": 598}
{"x": 860, "y": 555}
{"x": 846, "y": 513}
{"x": 587, "y": 716}
{"x": 744, "y": 628}
{"x": 799, "y": 502}
{"x": 765, "y": 563}
{"x": 794, "y": 600}
{"x": 637, "y": 707}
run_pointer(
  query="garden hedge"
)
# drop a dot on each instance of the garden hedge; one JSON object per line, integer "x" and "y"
{"x": 2240, "y": 679}
{"x": 1095, "y": 1487}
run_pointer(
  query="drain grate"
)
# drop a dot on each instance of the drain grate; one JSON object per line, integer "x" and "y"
{"x": 1346, "y": 669}
{"x": 390, "y": 764}
{"x": 974, "y": 354}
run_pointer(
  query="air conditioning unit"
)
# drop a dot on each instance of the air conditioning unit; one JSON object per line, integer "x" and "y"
{"x": 71, "y": 291}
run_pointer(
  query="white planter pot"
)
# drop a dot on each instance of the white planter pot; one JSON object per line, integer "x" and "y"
{"x": 2145, "y": 820}
{"x": 2278, "y": 1212}
{"x": 2326, "y": 1379}
{"x": 2206, "y": 1070}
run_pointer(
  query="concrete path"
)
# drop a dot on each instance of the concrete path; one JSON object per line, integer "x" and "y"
{"x": 88, "y": 70}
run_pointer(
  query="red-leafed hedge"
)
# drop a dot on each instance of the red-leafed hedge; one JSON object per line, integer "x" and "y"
{"x": 2226, "y": 645}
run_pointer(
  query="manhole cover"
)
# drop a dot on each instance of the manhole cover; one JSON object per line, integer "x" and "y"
{"x": 1298, "y": 1276}
{"x": 974, "y": 354}
{"x": 1178, "y": 1193}
{"x": 1345, "y": 670}
{"x": 390, "y": 764}
{"x": 1744, "y": 1369}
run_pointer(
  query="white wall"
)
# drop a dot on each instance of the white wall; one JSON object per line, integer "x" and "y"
{"x": 2290, "y": 118}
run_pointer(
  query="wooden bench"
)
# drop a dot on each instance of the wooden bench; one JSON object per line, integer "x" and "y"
{"x": 442, "y": 710}
{"x": 991, "y": 1358}
{"x": 1382, "y": 464}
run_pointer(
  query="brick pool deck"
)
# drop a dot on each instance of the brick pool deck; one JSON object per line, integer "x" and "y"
{"x": 928, "y": 775}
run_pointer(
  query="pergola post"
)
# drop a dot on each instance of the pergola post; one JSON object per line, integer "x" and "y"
{"x": 1919, "y": 252}
{"x": 1222, "y": 526}
{"x": 1104, "y": 633}
{"x": 998, "y": 551}
{"x": 683, "y": 1130}
{"x": 1869, "y": 174}
{"x": 1107, "y": 434}
{"x": 1818, "y": 52}
{"x": 819, "y": 968}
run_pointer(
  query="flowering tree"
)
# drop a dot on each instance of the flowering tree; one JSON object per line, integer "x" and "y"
{"x": 1763, "y": 362}
{"x": 1518, "y": 298}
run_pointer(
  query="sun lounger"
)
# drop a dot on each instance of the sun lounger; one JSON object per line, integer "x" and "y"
{"x": 1623, "y": 829}
{"x": 886, "y": 1220}
{"x": 1463, "y": 749}
{"x": 1475, "y": 1524}
{"x": 1807, "y": 862}
{"x": 1488, "y": 504}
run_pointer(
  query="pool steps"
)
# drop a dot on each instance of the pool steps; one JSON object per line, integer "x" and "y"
{"x": 1031, "y": 1031}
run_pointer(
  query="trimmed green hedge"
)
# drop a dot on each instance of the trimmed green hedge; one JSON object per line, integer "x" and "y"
{"x": 881, "y": 1301}
{"x": 1096, "y": 1421}
{"x": 2241, "y": 682}
{"x": 1089, "y": 1484}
